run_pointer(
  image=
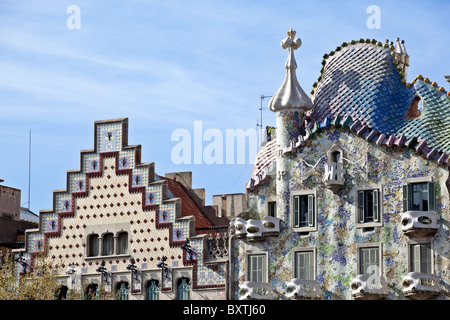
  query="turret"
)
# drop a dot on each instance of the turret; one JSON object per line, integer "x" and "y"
{"x": 290, "y": 103}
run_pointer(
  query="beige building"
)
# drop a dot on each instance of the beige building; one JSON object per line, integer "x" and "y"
{"x": 120, "y": 228}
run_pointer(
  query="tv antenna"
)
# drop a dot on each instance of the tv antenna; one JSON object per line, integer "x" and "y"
{"x": 260, "y": 125}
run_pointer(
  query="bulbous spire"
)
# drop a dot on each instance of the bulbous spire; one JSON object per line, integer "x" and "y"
{"x": 290, "y": 96}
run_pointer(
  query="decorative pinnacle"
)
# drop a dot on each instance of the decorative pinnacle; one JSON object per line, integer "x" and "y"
{"x": 290, "y": 96}
{"x": 290, "y": 42}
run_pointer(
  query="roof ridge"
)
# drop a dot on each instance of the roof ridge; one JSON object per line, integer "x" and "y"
{"x": 433, "y": 84}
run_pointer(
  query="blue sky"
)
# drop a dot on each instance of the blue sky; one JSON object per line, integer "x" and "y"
{"x": 166, "y": 64}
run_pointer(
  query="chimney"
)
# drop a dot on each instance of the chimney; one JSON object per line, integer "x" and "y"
{"x": 402, "y": 57}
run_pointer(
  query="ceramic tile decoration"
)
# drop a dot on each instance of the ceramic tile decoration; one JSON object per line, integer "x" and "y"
{"x": 388, "y": 148}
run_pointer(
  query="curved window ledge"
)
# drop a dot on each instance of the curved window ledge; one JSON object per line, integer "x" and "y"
{"x": 419, "y": 223}
{"x": 420, "y": 286}
{"x": 256, "y": 230}
{"x": 365, "y": 288}
{"x": 298, "y": 289}
{"x": 250, "y": 290}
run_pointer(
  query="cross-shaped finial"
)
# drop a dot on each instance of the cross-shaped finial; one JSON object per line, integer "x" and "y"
{"x": 290, "y": 42}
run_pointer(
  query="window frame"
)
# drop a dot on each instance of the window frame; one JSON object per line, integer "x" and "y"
{"x": 106, "y": 243}
{"x": 359, "y": 261}
{"x": 265, "y": 276}
{"x": 364, "y": 189}
{"x": 421, "y": 241}
{"x": 178, "y": 289}
{"x": 91, "y": 246}
{"x": 312, "y": 250}
{"x": 408, "y": 193}
{"x": 309, "y": 228}
{"x": 268, "y": 202}
{"x": 120, "y": 246}
{"x": 151, "y": 293}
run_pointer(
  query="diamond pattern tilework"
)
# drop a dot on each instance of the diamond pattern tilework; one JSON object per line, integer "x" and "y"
{"x": 434, "y": 124}
{"x": 360, "y": 81}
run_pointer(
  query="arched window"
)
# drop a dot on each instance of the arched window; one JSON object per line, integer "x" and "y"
{"x": 108, "y": 244}
{"x": 336, "y": 156}
{"x": 122, "y": 243}
{"x": 93, "y": 245}
{"x": 152, "y": 290}
{"x": 61, "y": 293}
{"x": 91, "y": 292}
{"x": 183, "y": 289}
{"x": 122, "y": 290}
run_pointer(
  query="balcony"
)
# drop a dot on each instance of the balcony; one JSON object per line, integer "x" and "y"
{"x": 420, "y": 286}
{"x": 298, "y": 289}
{"x": 419, "y": 223}
{"x": 217, "y": 247}
{"x": 250, "y": 290}
{"x": 334, "y": 175}
{"x": 256, "y": 230}
{"x": 369, "y": 287}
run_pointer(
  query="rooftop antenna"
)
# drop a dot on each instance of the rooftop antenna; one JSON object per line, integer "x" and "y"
{"x": 260, "y": 125}
{"x": 29, "y": 172}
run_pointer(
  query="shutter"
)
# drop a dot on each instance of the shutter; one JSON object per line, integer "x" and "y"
{"x": 311, "y": 210}
{"x": 407, "y": 197}
{"x": 296, "y": 211}
{"x": 360, "y": 206}
{"x": 431, "y": 197}
{"x": 415, "y": 259}
{"x": 376, "y": 207}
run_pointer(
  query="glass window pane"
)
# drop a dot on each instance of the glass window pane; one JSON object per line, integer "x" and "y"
{"x": 108, "y": 244}
{"x": 304, "y": 265}
{"x": 368, "y": 260}
{"x": 122, "y": 243}
{"x": 93, "y": 245}
{"x": 257, "y": 268}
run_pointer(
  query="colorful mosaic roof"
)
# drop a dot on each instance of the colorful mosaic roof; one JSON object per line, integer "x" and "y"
{"x": 362, "y": 82}
{"x": 362, "y": 87}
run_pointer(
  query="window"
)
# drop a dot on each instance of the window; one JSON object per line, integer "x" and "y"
{"x": 152, "y": 290}
{"x": 420, "y": 257}
{"x": 304, "y": 265}
{"x": 272, "y": 208}
{"x": 257, "y": 268}
{"x": 91, "y": 292}
{"x": 122, "y": 243}
{"x": 93, "y": 245}
{"x": 368, "y": 206}
{"x": 303, "y": 211}
{"x": 122, "y": 290}
{"x": 336, "y": 156}
{"x": 419, "y": 196}
{"x": 183, "y": 289}
{"x": 61, "y": 293}
{"x": 369, "y": 260}
{"x": 108, "y": 244}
